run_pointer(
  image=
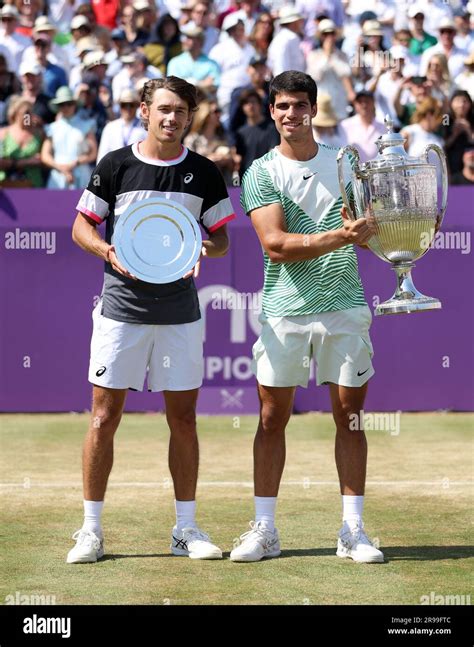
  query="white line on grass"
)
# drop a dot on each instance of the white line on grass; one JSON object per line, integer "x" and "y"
{"x": 306, "y": 483}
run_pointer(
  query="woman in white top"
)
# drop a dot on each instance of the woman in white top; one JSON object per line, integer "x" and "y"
{"x": 439, "y": 79}
{"x": 425, "y": 122}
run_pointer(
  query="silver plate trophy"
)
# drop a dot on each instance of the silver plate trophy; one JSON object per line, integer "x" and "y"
{"x": 398, "y": 195}
{"x": 157, "y": 240}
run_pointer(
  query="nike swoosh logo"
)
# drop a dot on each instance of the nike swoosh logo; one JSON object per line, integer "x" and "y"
{"x": 359, "y": 373}
{"x": 306, "y": 177}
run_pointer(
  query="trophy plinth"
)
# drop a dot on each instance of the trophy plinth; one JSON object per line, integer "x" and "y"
{"x": 398, "y": 196}
{"x": 406, "y": 297}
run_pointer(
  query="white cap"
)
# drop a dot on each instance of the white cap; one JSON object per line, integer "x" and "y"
{"x": 91, "y": 59}
{"x": 30, "y": 67}
{"x": 79, "y": 21}
{"x": 42, "y": 24}
{"x": 191, "y": 30}
{"x": 128, "y": 96}
{"x": 446, "y": 23}
{"x": 414, "y": 10}
{"x": 288, "y": 14}
{"x": 86, "y": 44}
{"x": 231, "y": 20}
{"x": 326, "y": 25}
{"x": 372, "y": 28}
{"x": 141, "y": 5}
{"x": 398, "y": 51}
{"x": 9, "y": 10}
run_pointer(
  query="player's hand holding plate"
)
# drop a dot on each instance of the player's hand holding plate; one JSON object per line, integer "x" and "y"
{"x": 157, "y": 240}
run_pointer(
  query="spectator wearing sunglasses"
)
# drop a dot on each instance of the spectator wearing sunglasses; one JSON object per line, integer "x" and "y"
{"x": 446, "y": 46}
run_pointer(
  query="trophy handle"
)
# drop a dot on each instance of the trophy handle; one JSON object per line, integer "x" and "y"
{"x": 444, "y": 178}
{"x": 340, "y": 173}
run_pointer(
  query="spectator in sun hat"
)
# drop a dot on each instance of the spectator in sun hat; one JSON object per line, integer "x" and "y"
{"x": 325, "y": 123}
{"x": 465, "y": 80}
{"x": 125, "y": 130}
{"x": 193, "y": 65}
{"x": 285, "y": 51}
{"x": 70, "y": 145}
{"x": 53, "y": 76}
{"x": 233, "y": 56}
{"x": 102, "y": 34}
{"x": 446, "y": 46}
{"x": 58, "y": 54}
{"x": 330, "y": 68}
{"x": 14, "y": 42}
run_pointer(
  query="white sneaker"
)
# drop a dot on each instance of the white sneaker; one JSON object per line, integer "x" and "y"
{"x": 356, "y": 545}
{"x": 89, "y": 548}
{"x": 193, "y": 543}
{"x": 256, "y": 543}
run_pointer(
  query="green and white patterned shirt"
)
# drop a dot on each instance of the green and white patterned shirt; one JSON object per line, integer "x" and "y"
{"x": 311, "y": 199}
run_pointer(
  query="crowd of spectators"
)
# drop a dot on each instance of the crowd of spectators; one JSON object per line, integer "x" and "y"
{"x": 71, "y": 74}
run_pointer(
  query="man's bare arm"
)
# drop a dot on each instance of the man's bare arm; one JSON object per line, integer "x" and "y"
{"x": 85, "y": 234}
{"x": 284, "y": 247}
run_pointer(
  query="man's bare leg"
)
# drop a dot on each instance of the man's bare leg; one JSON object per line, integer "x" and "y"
{"x": 269, "y": 449}
{"x": 98, "y": 452}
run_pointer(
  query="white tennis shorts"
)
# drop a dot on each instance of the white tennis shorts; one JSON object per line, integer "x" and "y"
{"x": 123, "y": 354}
{"x": 338, "y": 341}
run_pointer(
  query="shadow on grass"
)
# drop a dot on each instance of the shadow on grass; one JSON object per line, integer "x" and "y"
{"x": 392, "y": 553}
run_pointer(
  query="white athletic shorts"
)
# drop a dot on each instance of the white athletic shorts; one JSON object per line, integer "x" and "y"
{"x": 338, "y": 341}
{"x": 123, "y": 354}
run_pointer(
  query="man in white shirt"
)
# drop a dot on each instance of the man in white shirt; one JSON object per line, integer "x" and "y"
{"x": 386, "y": 84}
{"x": 233, "y": 56}
{"x": 199, "y": 15}
{"x": 446, "y": 46}
{"x": 362, "y": 129}
{"x": 125, "y": 130}
{"x": 285, "y": 51}
{"x": 434, "y": 11}
{"x": 14, "y": 43}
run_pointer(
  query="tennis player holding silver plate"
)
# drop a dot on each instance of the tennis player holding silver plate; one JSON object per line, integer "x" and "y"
{"x": 397, "y": 195}
{"x": 153, "y": 197}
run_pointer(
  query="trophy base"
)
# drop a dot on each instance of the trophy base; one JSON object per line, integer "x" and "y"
{"x": 406, "y": 298}
{"x": 405, "y": 306}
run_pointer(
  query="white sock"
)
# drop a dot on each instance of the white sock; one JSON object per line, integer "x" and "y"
{"x": 352, "y": 508}
{"x": 185, "y": 513}
{"x": 265, "y": 510}
{"x": 92, "y": 514}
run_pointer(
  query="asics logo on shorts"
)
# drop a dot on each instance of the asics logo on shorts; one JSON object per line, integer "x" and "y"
{"x": 101, "y": 371}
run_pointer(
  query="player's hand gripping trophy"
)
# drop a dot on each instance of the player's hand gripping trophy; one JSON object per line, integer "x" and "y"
{"x": 398, "y": 195}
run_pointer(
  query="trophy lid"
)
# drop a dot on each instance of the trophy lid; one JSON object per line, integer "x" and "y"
{"x": 391, "y": 143}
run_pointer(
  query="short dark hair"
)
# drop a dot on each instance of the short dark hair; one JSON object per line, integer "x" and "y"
{"x": 293, "y": 81}
{"x": 185, "y": 91}
{"x": 245, "y": 95}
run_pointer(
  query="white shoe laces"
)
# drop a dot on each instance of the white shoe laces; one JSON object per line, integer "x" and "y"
{"x": 87, "y": 538}
{"x": 195, "y": 534}
{"x": 357, "y": 535}
{"x": 255, "y": 529}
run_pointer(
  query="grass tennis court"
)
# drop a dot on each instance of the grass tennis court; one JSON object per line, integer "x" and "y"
{"x": 418, "y": 506}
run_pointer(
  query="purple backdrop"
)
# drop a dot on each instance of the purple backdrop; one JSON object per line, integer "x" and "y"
{"x": 422, "y": 361}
